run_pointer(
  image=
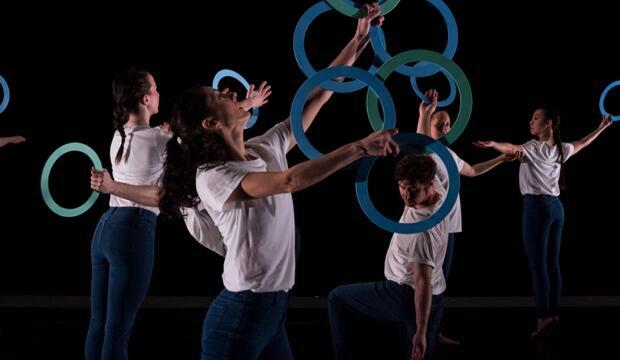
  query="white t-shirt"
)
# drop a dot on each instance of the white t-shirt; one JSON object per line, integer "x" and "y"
{"x": 142, "y": 162}
{"x": 454, "y": 217}
{"x": 428, "y": 247}
{"x": 539, "y": 171}
{"x": 201, "y": 227}
{"x": 259, "y": 234}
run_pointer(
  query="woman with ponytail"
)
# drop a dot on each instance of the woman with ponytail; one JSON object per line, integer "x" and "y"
{"x": 543, "y": 212}
{"x": 123, "y": 244}
{"x": 245, "y": 186}
{"x": 122, "y": 248}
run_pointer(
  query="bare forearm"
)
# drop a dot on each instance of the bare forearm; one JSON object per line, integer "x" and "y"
{"x": 588, "y": 139}
{"x": 486, "y": 166}
{"x": 424, "y": 125}
{"x": 311, "y": 172}
{"x": 300, "y": 176}
{"x": 423, "y": 300}
{"x": 505, "y": 148}
{"x": 142, "y": 194}
{"x": 319, "y": 96}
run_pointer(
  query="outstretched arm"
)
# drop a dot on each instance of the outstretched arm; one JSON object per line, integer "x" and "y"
{"x": 143, "y": 194}
{"x": 349, "y": 54}
{"x": 486, "y": 166}
{"x": 504, "y": 148}
{"x": 587, "y": 140}
{"x": 11, "y": 140}
{"x": 426, "y": 111}
{"x": 423, "y": 301}
{"x": 305, "y": 174}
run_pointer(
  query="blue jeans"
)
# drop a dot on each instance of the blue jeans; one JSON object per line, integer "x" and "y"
{"x": 543, "y": 220}
{"x": 246, "y": 326}
{"x": 122, "y": 254}
{"x": 382, "y": 300}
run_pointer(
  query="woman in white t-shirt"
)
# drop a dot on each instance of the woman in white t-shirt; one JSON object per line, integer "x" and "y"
{"x": 543, "y": 212}
{"x": 245, "y": 186}
{"x": 436, "y": 124}
{"x": 122, "y": 249}
{"x": 123, "y": 244}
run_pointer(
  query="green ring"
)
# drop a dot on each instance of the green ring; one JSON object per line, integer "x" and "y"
{"x": 465, "y": 95}
{"x": 347, "y": 8}
{"x": 45, "y": 189}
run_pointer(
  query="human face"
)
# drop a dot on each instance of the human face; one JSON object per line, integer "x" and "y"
{"x": 151, "y": 99}
{"x": 538, "y": 123}
{"x": 414, "y": 194}
{"x": 440, "y": 124}
{"x": 225, "y": 108}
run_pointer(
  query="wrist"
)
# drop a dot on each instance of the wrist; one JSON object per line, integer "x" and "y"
{"x": 359, "y": 39}
{"x": 360, "y": 148}
{"x": 113, "y": 188}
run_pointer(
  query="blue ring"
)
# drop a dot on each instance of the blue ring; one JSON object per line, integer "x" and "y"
{"x": 440, "y": 103}
{"x": 363, "y": 197}
{"x": 301, "y": 57}
{"x": 317, "y": 79}
{"x": 601, "y": 103}
{"x": 235, "y": 75}
{"x": 6, "y": 94}
{"x": 414, "y": 84}
{"x": 422, "y": 69}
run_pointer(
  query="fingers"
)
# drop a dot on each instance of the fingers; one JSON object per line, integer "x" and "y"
{"x": 373, "y": 11}
{"x": 250, "y": 90}
{"x": 225, "y": 91}
{"x": 519, "y": 155}
{"x": 391, "y": 132}
{"x": 262, "y": 86}
{"x": 393, "y": 147}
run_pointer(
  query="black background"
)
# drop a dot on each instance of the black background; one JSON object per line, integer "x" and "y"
{"x": 516, "y": 54}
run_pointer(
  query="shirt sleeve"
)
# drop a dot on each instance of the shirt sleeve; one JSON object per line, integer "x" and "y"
{"x": 529, "y": 149}
{"x": 278, "y": 138}
{"x": 569, "y": 150}
{"x": 423, "y": 251}
{"x": 215, "y": 185}
{"x": 459, "y": 162}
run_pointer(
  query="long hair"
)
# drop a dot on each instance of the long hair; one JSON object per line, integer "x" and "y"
{"x": 554, "y": 116}
{"x": 128, "y": 88}
{"x": 191, "y": 147}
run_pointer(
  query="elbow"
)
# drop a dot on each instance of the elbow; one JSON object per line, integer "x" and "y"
{"x": 290, "y": 184}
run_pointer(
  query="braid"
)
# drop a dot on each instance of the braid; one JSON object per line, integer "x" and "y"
{"x": 121, "y": 115}
{"x": 558, "y": 143}
{"x": 127, "y": 89}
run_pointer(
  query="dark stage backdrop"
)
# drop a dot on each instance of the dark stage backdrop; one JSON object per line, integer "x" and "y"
{"x": 516, "y": 54}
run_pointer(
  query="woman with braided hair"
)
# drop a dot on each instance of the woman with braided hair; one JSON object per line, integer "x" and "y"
{"x": 543, "y": 212}
{"x": 122, "y": 250}
{"x": 123, "y": 244}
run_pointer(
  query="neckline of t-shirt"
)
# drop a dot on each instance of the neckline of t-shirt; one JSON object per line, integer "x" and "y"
{"x": 544, "y": 142}
{"x": 136, "y": 128}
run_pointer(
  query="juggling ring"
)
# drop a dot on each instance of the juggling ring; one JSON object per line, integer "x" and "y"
{"x": 363, "y": 196}
{"x": 45, "y": 190}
